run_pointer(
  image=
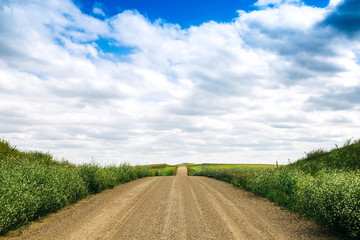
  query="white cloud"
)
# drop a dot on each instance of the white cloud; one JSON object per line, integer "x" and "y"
{"x": 257, "y": 89}
{"x": 265, "y": 3}
{"x": 98, "y": 11}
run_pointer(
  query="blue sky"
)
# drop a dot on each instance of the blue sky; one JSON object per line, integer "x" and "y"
{"x": 186, "y": 13}
{"x": 202, "y": 81}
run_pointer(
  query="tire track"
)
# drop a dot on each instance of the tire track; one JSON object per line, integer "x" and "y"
{"x": 200, "y": 212}
{"x": 232, "y": 226}
{"x": 103, "y": 225}
{"x": 257, "y": 223}
{"x": 206, "y": 217}
{"x": 131, "y": 206}
{"x": 254, "y": 229}
{"x": 175, "y": 213}
{"x": 148, "y": 218}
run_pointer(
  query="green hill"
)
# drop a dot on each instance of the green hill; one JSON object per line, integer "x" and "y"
{"x": 345, "y": 158}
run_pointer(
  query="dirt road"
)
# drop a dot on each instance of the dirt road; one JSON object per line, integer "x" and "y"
{"x": 178, "y": 207}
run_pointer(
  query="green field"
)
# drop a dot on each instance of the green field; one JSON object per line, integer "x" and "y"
{"x": 161, "y": 169}
{"x": 196, "y": 169}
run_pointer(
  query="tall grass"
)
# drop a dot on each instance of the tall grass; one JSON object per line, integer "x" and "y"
{"x": 98, "y": 178}
{"x": 29, "y": 189}
{"x": 331, "y": 197}
{"x": 33, "y": 184}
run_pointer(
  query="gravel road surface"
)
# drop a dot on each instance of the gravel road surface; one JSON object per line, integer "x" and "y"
{"x": 179, "y": 207}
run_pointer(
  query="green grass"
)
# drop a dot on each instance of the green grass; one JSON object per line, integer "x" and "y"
{"x": 33, "y": 184}
{"x": 324, "y": 186}
{"x": 346, "y": 157}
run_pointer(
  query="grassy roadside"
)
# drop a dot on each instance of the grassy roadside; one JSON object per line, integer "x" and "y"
{"x": 324, "y": 186}
{"x": 33, "y": 184}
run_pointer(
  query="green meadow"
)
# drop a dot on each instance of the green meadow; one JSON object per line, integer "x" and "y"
{"x": 196, "y": 169}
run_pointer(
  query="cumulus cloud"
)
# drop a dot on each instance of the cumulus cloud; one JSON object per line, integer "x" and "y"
{"x": 250, "y": 90}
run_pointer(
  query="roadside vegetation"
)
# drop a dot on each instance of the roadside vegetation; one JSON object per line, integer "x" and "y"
{"x": 33, "y": 184}
{"x": 324, "y": 186}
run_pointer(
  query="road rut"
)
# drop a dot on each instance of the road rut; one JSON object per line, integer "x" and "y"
{"x": 179, "y": 207}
